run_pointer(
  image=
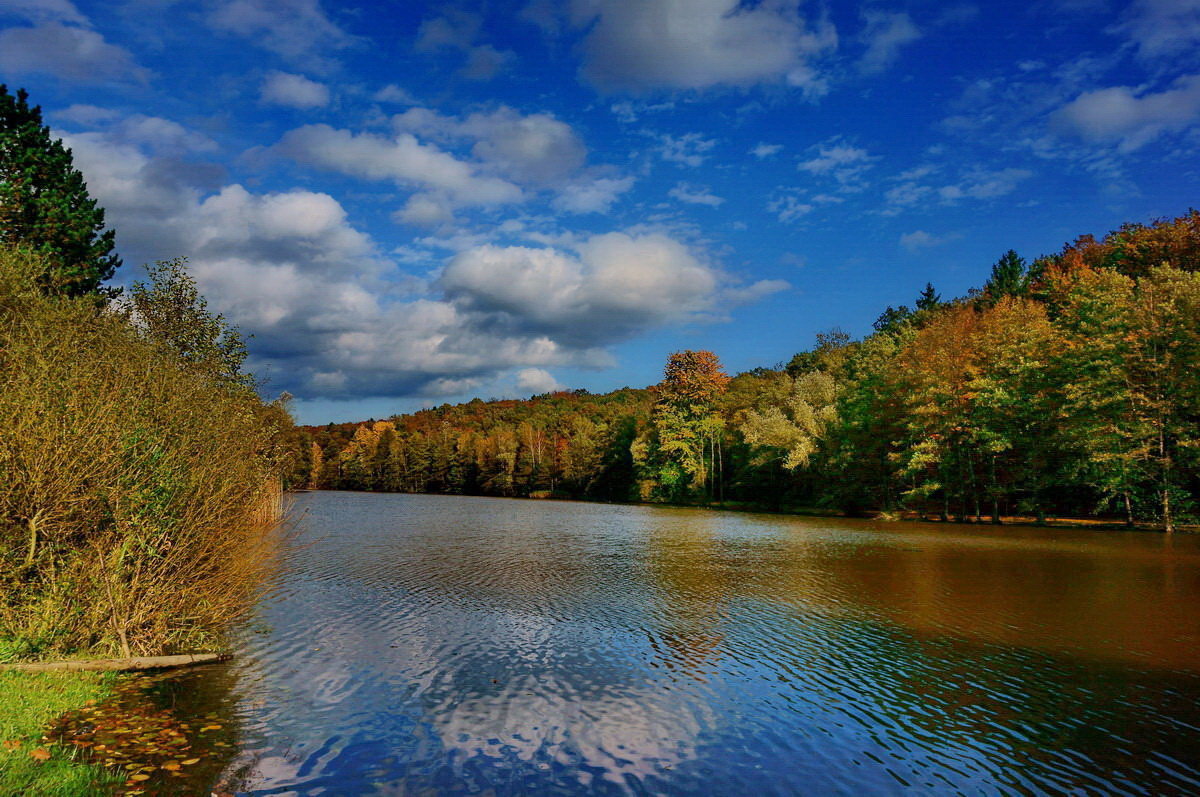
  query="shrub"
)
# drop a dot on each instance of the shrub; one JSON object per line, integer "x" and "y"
{"x": 137, "y": 492}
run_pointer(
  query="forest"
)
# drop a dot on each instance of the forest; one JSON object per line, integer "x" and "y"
{"x": 1064, "y": 387}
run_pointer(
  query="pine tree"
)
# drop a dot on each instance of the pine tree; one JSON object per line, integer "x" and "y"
{"x": 44, "y": 202}
{"x": 1008, "y": 277}
{"x": 929, "y": 298}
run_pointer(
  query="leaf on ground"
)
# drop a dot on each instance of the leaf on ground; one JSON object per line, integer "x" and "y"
{"x": 40, "y": 754}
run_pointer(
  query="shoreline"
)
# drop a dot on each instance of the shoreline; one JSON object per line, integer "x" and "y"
{"x": 904, "y": 516}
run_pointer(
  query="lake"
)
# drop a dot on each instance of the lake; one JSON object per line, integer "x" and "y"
{"x": 417, "y": 644}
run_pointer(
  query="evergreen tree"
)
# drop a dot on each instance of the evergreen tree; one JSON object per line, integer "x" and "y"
{"x": 44, "y": 202}
{"x": 1008, "y": 277}
{"x": 929, "y": 298}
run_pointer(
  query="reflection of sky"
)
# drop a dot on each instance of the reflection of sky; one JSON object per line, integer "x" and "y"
{"x": 534, "y": 647}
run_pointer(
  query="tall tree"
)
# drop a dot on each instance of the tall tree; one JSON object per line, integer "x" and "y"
{"x": 1008, "y": 277}
{"x": 44, "y": 202}
{"x": 929, "y": 298}
{"x": 686, "y": 419}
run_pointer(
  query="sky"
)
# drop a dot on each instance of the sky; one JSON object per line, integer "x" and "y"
{"x": 406, "y": 204}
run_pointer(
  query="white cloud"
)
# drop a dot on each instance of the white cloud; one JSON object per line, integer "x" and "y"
{"x": 1129, "y": 117}
{"x": 919, "y": 239}
{"x": 763, "y": 150}
{"x": 610, "y": 286}
{"x": 789, "y": 207}
{"x": 838, "y": 159}
{"x": 459, "y": 30}
{"x": 591, "y": 195}
{"x": 695, "y": 44}
{"x": 485, "y": 62}
{"x": 402, "y": 159}
{"x": 689, "y": 149}
{"x": 295, "y": 91}
{"x": 1163, "y": 29}
{"x": 977, "y": 184}
{"x": 885, "y": 34}
{"x": 42, "y": 11}
{"x": 71, "y": 53}
{"x": 84, "y": 114}
{"x": 394, "y": 94}
{"x": 534, "y": 149}
{"x": 298, "y": 30}
{"x": 536, "y": 381}
{"x": 455, "y": 30}
{"x": 331, "y": 316}
{"x": 695, "y": 195}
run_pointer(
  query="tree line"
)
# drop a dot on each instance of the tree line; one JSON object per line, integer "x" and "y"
{"x": 1069, "y": 386}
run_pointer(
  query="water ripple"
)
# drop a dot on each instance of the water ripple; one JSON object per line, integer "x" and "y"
{"x": 423, "y": 644}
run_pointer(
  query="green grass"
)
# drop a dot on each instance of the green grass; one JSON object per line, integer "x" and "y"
{"x": 28, "y": 703}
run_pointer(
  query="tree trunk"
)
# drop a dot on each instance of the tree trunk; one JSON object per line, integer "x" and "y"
{"x": 119, "y": 665}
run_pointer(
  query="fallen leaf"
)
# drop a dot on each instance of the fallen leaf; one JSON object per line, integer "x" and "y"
{"x": 40, "y": 754}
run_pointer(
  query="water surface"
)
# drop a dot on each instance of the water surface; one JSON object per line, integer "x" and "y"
{"x": 447, "y": 645}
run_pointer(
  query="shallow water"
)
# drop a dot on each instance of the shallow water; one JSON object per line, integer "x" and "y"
{"x": 433, "y": 644}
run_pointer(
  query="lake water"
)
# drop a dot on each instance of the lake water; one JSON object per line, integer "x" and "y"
{"x": 446, "y": 645}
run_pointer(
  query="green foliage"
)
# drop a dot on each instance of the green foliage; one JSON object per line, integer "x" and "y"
{"x": 169, "y": 309}
{"x": 45, "y": 206}
{"x": 1008, "y": 277}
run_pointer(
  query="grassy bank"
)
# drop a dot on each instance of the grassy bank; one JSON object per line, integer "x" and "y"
{"x": 28, "y": 703}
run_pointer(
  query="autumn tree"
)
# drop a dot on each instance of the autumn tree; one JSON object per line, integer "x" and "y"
{"x": 686, "y": 424}
{"x": 170, "y": 309}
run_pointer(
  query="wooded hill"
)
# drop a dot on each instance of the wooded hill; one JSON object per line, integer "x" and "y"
{"x": 1068, "y": 387}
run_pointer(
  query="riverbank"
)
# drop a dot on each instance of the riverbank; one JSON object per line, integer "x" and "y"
{"x": 29, "y": 702}
{"x": 1016, "y": 521}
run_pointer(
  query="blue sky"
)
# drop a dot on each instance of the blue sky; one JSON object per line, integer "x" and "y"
{"x": 412, "y": 203}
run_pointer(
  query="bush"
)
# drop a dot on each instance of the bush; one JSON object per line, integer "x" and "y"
{"x": 137, "y": 492}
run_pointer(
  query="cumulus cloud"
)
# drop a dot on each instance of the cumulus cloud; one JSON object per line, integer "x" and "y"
{"x": 536, "y": 381}
{"x": 400, "y": 158}
{"x": 294, "y": 91}
{"x": 609, "y": 287}
{"x": 298, "y": 30}
{"x": 332, "y": 316}
{"x": 1129, "y": 117}
{"x": 534, "y": 148}
{"x": 483, "y": 159}
{"x": 68, "y": 52}
{"x": 885, "y": 33}
{"x": 640, "y": 45}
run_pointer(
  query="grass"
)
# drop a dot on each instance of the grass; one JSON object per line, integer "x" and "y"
{"x": 28, "y": 703}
